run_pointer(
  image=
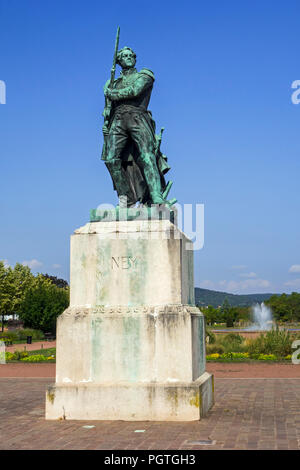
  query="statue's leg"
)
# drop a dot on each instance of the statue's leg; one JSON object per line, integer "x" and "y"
{"x": 116, "y": 141}
{"x": 120, "y": 181}
{"x": 146, "y": 160}
{"x": 148, "y": 166}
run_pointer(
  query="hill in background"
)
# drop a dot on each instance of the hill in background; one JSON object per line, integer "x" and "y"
{"x": 211, "y": 297}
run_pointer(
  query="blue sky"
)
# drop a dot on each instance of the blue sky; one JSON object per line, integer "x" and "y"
{"x": 223, "y": 93}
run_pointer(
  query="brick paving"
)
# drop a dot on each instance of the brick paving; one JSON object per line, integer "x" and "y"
{"x": 248, "y": 414}
{"x": 220, "y": 370}
{"x": 245, "y": 370}
{"x": 19, "y": 369}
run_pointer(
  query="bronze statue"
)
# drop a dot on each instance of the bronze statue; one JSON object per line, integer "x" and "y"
{"x": 131, "y": 149}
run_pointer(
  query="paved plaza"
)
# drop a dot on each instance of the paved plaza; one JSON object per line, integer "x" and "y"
{"x": 252, "y": 413}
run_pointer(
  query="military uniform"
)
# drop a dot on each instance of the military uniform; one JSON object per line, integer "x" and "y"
{"x": 131, "y": 150}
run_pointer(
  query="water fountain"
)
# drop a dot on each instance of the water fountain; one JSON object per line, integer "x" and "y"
{"x": 262, "y": 318}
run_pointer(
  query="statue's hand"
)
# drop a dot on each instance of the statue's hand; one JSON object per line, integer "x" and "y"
{"x": 105, "y": 130}
{"x": 106, "y": 86}
{"x": 106, "y": 114}
{"x": 111, "y": 94}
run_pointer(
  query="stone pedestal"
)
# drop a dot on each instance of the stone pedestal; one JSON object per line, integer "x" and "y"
{"x": 131, "y": 345}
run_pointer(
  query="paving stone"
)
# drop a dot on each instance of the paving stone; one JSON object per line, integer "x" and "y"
{"x": 248, "y": 414}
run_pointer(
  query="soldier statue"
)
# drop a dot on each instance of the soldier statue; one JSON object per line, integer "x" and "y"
{"x": 131, "y": 149}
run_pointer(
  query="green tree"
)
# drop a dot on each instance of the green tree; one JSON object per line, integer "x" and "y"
{"x": 58, "y": 282}
{"x": 285, "y": 307}
{"x": 295, "y": 305}
{"x": 227, "y": 313}
{"x": 6, "y": 292}
{"x": 22, "y": 281}
{"x": 14, "y": 282}
{"x": 43, "y": 303}
{"x": 243, "y": 313}
{"x": 211, "y": 314}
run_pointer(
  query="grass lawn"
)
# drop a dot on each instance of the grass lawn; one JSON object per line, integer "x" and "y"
{"x": 23, "y": 341}
{"x": 44, "y": 352}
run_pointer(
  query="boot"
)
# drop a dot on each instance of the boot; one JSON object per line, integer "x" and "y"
{"x": 151, "y": 174}
{"x": 120, "y": 181}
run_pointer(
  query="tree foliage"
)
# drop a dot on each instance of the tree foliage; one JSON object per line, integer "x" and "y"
{"x": 58, "y": 282}
{"x": 285, "y": 307}
{"x": 6, "y": 291}
{"x": 43, "y": 303}
{"x": 225, "y": 314}
{"x": 13, "y": 284}
{"x": 22, "y": 281}
{"x": 37, "y": 300}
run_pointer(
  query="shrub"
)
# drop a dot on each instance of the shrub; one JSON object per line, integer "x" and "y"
{"x": 19, "y": 355}
{"x": 36, "y": 358}
{"x": 213, "y": 356}
{"x": 11, "y": 335}
{"x": 232, "y": 342}
{"x": 8, "y": 356}
{"x": 16, "y": 356}
{"x": 267, "y": 357}
{"x": 277, "y": 342}
{"x": 233, "y": 338}
{"x": 21, "y": 334}
{"x": 215, "y": 349}
{"x": 229, "y": 356}
{"x": 25, "y": 357}
{"x": 36, "y": 334}
{"x": 235, "y": 355}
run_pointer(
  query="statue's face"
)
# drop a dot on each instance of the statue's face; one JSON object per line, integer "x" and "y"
{"x": 127, "y": 59}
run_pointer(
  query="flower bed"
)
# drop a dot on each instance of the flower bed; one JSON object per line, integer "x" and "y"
{"x": 270, "y": 346}
{"x": 37, "y": 358}
{"x": 47, "y": 355}
{"x": 245, "y": 357}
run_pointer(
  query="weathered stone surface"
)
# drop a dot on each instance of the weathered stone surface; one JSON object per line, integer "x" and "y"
{"x": 131, "y": 345}
{"x": 131, "y": 401}
{"x": 131, "y": 263}
{"x": 112, "y": 345}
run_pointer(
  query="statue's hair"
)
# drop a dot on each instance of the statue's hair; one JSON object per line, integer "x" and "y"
{"x": 119, "y": 55}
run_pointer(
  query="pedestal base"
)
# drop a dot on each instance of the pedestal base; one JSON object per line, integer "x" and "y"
{"x": 131, "y": 346}
{"x": 131, "y": 402}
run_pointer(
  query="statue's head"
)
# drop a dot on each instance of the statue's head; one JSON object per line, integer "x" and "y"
{"x": 126, "y": 58}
